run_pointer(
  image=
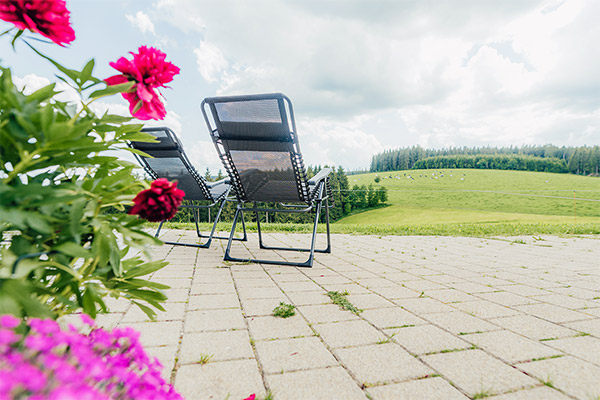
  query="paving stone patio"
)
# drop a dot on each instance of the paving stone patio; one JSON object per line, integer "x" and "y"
{"x": 443, "y": 318}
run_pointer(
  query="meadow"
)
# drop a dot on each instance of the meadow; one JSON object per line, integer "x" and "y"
{"x": 466, "y": 196}
{"x": 467, "y": 202}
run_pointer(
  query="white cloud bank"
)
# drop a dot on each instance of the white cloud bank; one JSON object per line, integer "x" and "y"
{"x": 365, "y": 76}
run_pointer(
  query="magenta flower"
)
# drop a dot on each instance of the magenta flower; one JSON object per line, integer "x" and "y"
{"x": 50, "y": 18}
{"x": 9, "y": 321}
{"x": 158, "y": 203}
{"x": 52, "y": 363}
{"x": 149, "y": 71}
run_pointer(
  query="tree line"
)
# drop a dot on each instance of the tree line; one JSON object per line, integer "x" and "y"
{"x": 582, "y": 160}
{"x": 345, "y": 201}
{"x": 516, "y": 162}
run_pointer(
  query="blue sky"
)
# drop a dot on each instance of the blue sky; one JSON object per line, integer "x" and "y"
{"x": 364, "y": 76}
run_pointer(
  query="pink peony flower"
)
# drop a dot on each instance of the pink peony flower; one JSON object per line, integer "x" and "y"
{"x": 50, "y": 18}
{"x": 158, "y": 203}
{"x": 251, "y": 397}
{"x": 149, "y": 71}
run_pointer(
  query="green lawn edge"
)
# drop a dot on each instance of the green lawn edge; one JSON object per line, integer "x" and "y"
{"x": 459, "y": 229}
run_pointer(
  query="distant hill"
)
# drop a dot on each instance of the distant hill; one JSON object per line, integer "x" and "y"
{"x": 581, "y": 160}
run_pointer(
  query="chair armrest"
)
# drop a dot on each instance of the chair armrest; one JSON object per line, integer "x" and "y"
{"x": 217, "y": 183}
{"x": 323, "y": 173}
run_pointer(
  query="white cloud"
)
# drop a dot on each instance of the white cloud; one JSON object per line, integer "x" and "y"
{"x": 210, "y": 61}
{"x": 142, "y": 21}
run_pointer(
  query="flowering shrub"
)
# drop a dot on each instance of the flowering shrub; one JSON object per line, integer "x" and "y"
{"x": 148, "y": 70}
{"x": 56, "y": 364}
{"x": 58, "y": 187}
{"x": 158, "y": 203}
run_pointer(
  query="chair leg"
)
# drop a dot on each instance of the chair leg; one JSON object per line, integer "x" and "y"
{"x": 158, "y": 230}
{"x": 308, "y": 263}
{"x": 328, "y": 248}
{"x": 195, "y": 214}
{"x": 260, "y": 241}
{"x": 227, "y": 257}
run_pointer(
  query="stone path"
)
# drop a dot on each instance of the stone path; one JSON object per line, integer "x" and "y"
{"x": 443, "y": 318}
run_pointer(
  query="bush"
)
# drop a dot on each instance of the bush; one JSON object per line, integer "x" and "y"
{"x": 67, "y": 249}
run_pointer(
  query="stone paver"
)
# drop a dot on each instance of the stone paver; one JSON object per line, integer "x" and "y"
{"x": 511, "y": 347}
{"x": 278, "y": 328}
{"x": 220, "y": 380}
{"x": 349, "y": 333}
{"x": 575, "y": 377}
{"x": 226, "y": 345}
{"x": 426, "y": 339}
{"x": 430, "y": 389}
{"x": 214, "y": 320}
{"x": 443, "y": 318}
{"x": 538, "y": 393}
{"x": 484, "y": 374}
{"x": 285, "y": 355}
{"x": 325, "y": 384}
{"x": 381, "y": 363}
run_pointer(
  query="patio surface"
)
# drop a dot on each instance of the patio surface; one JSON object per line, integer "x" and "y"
{"x": 443, "y": 318}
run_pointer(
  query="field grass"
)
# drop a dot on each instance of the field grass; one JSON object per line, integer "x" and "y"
{"x": 467, "y": 196}
{"x": 467, "y": 202}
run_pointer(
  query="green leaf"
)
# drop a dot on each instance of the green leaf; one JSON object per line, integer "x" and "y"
{"x": 112, "y": 89}
{"x": 144, "y": 269}
{"x": 42, "y": 94}
{"x": 23, "y": 294}
{"x": 114, "y": 119}
{"x": 16, "y": 37}
{"x": 38, "y": 223}
{"x": 147, "y": 310}
{"x": 88, "y": 303}
{"x": 137, "y": 107}
{"x": 73, "y": 249}
{"x": 86, "y": 73}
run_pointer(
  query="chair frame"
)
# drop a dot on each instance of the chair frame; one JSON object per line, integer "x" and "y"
{"x": 314, "y": 198}
{"x": 204, "y": 186}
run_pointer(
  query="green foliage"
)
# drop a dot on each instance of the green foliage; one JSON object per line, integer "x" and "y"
{"x": 284, "y": 310}
{"x": 66, "y": 251}
{"x": 516, "y": 162}
{"x": 341, "y": 300}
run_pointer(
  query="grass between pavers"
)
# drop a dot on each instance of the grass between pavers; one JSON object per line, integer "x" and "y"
{"x": 341, "y": 300}
{"x": 456, "y": 229}
{"x": 284, "y": 310}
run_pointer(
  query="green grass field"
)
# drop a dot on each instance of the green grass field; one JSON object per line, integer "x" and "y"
{"x": 468, "y": 202}
{"x": 481, "y": 197}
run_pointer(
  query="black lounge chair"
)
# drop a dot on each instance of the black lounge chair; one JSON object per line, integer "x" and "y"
{"x": 168, "y": 160}
{"x": 257, "y": 142}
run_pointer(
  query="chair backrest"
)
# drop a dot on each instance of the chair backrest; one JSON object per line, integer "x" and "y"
{"x": 255, "y": 136}
{"x": 169, "y": 161}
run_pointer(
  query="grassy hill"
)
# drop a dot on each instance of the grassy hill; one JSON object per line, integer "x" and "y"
{"x": 471, "y": 196}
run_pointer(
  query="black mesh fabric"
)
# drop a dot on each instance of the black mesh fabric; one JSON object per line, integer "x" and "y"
{"x": 266, "y": 176}
{"x": 174, "y": 169}
{"x": 255, "y": 132}
{"x": 170, "y": 162}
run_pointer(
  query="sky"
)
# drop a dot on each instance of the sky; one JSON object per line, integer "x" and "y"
{"x": 363, "y": 76}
